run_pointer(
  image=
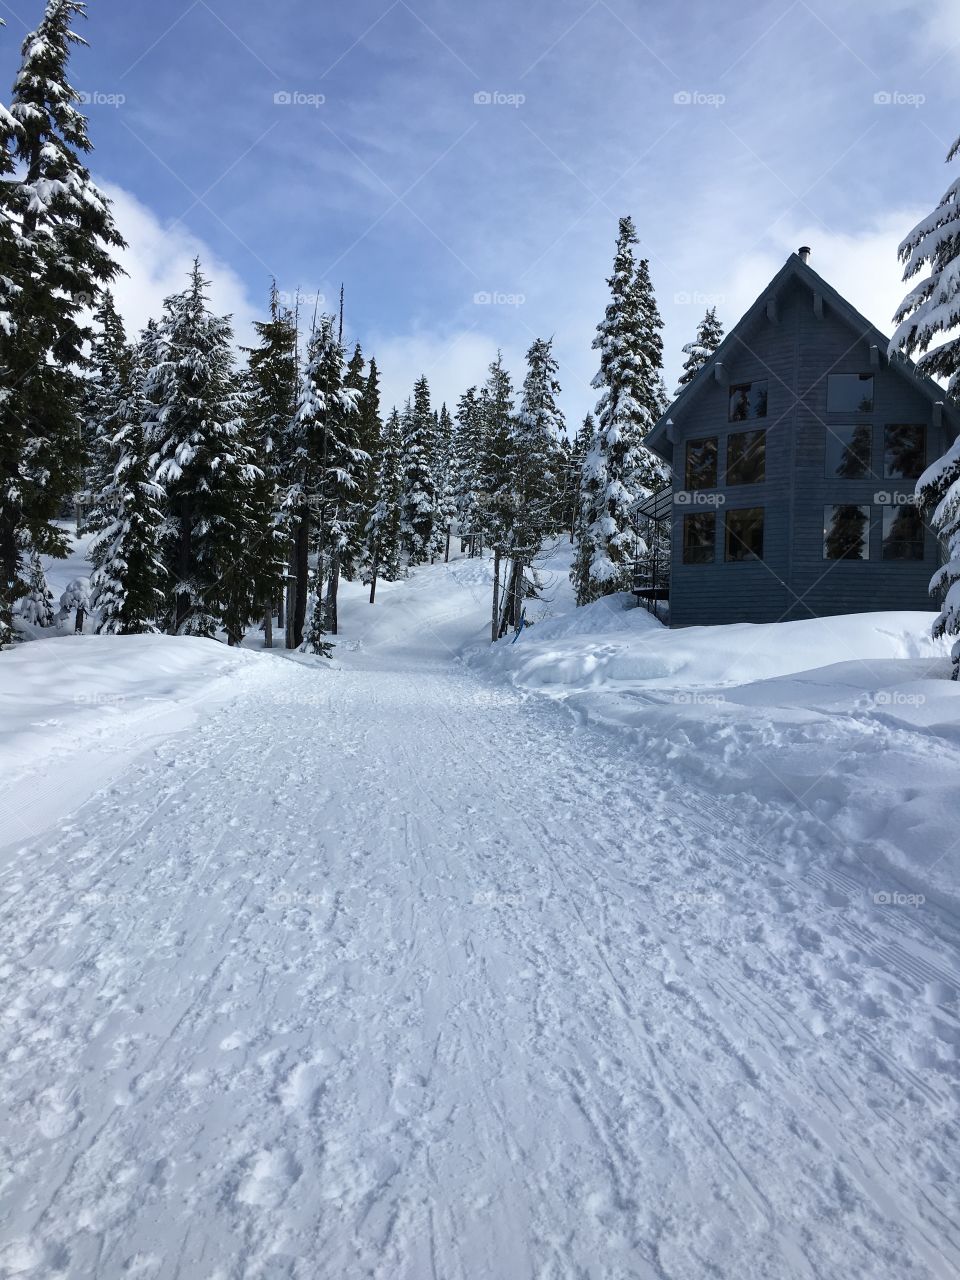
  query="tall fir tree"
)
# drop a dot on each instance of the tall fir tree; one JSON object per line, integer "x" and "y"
{"x": 341, "y": 466}
{"x": 195, "y": 433}
{"x": 497, "y": 497}
{"x": 128, "y": 581}
{"x": 619, "y": 469}
{"x": 110, "y": 367}
{"x": 536, "y": 459}
{"x": 927, "y": 321}
{"x": 698, "y": 352}
{"x": 56, "y": 237}
{"x": 467, "y": 466}
{"x": 383, "y": 525}
{"x": 418, "y": 509}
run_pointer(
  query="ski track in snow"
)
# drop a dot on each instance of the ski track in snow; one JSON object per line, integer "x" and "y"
{"x": 389, "y": 971}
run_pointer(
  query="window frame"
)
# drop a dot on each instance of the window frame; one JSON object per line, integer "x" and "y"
{"x": 832, "y": 440}
{"x": 738, "y": 511}
{"x": 924, "y": 443}
{"x": 701, "y": 440}
{"x": 729, "y": 481}
{"x": 891, "y": 511}
{"x": 748, "y": 387}
{"x": 866, "y": 540}
{"x": 704, "y": 516}
{"x": 855, "y": 409}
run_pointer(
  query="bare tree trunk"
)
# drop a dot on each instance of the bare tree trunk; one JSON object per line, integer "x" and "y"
{"x": 302, "y": 568}
{"x": 267, "y": 628}
{"x": 446, "y": 554}
{"x": 495, "y": 620}
{"x": 374, "y": 571}
{"x": 280, "y": 609}
{"x": 333, "y": 587}
{"x": 81, "y": 615}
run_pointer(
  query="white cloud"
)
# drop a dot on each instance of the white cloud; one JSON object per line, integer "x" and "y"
{"x": 452, "y": 361}
{"x": 158, "y": 259}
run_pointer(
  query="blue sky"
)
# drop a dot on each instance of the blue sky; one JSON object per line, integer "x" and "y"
{"x": 732, "y": 132}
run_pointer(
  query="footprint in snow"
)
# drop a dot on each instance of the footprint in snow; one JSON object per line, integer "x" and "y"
{"x": 268, "y": 1179}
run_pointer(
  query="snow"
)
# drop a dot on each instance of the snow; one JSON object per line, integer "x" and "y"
{"x": 438, "y": 960}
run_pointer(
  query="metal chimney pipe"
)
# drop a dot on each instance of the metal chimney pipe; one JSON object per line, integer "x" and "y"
{"x": 804, "y": 252}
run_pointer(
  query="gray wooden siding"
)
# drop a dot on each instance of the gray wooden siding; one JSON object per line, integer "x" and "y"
{"x": 794, "y": 581}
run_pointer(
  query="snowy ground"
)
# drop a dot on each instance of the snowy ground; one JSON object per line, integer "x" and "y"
{"x": 397, "y": 968}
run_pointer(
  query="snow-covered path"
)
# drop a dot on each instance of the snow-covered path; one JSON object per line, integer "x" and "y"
{"x": 387, "y": 971}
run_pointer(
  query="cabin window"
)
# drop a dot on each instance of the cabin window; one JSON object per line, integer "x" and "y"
{"x": 903, "y": 532}
{"x": 846, "y": 532}
{"x": 849, "y": 451}
{"x": 744, "y": 534}
{"x": 904, "y": 451}
{"x": 699, "y": 538}
{"x": 849, "y": 393}
{"x": 701, "y": 468}
{"x": 748, "y": 400}
{"x": 746, "y": 457}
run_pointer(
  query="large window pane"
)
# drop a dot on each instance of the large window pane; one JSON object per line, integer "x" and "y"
{"x": 748, "y": 400}
{"x": 904, "y": 451}
{"x": 849, "y": 450}
{"x": 744, "y": 534}
{"x": 846, "y": 532}
{"x": 746, "y": 457}
{"x": 902, "y": 533}
{"x": 701, "y": 469}
{"x": 849, "y": 392}
{"x": 699, "y": 538}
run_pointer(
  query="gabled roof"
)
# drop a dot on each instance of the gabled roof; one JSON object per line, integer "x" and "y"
{"x": 795, "y": 269}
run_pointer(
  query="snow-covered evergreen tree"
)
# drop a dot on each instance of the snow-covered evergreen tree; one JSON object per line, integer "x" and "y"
{"x": 443, "y": 471}
{"x": 110, "y": 358}
{"x": 383, "y": 526}
{"x": 619, "y": 469}
{"x": 36, "y": 606}
{"x": 127, "y": 585}
{"x": 535, "y": 459}
{"x": 419, "y": 505}
{"x": 202, "y": 461}
{"x": 329, "y": 414}
{"x": 467, "y": 466}
{"x": 75, "y": 601}
{"x": 928, "y": 320}
{"x": 56, "y": 234}
{"x": 496, "y": 495}
{"x": 698, "y": 352}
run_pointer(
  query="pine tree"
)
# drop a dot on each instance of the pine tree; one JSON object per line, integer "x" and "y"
{"x": 536, "y": 459}
{"x": 270, "y": 407}
{"x": 418, "y": 508}
{"x": 443, "y": 479}
{"x": 36, "y": 607}
{"x": 930, "y": 312}
{"x": 497, "y": 496}
{"x": 467, "y": 466}
{"x": 619, "y": 469}
{"x": 127, "y": 584}
{"x": 698, "y": 352}
{"x": 341, "y": 464}
{"x": 369, "y": 435}
{"x": 110, "y": 360}
{"x": 383, "y": 526}
{"x": 56, "y": 233}
{"x": 202, "y": 461}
